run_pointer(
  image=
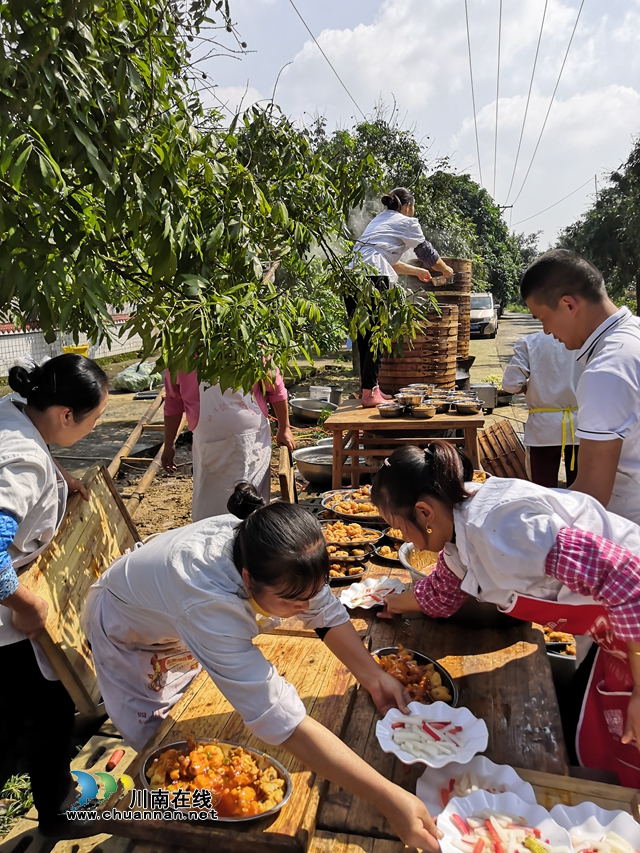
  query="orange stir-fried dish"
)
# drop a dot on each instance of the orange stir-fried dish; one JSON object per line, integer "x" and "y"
{"x": 421, "y": 680}
{"x": 236, "y": 782}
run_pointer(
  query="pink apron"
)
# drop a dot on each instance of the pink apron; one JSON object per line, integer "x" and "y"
{"x": 606, "y": 700}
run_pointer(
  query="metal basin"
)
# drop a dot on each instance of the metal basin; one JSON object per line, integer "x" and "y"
{"x": 314, "y": 463}
{"x": 310, "y": 410}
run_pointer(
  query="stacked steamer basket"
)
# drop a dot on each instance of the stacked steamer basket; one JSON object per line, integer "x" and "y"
{"x": 429, "y": 359}
{"x": 457, "y": 291}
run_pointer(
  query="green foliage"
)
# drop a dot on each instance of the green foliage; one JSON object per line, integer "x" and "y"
{"x": 16, "y": 793}
{"x": 607, "y": 234}
{"x": 116, "y": 190}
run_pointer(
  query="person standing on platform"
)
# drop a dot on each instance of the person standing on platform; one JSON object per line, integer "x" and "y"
{"x": 567, "y": 294}
{"x": 381, "y": 245}
{"x": 231, "y": 437}
{"x": 546, "y": 372}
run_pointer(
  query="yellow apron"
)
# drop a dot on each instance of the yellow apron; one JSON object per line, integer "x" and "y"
{"x": 566, "y": 416}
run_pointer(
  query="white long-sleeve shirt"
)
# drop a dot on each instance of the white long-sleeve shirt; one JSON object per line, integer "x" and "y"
{"x": 183, "y": 586}
{"x": 385, "y": 240}
{"x": 550, "y": 372}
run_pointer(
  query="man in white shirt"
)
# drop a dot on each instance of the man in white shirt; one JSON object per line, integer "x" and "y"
{"x": 568, "y": 295}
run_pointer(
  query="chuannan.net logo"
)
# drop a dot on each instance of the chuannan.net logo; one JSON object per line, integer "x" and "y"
{"x": 95, "y": 788}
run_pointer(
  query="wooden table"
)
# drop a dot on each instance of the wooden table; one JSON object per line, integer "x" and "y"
{"x": 503, "y": 676}
{"x": 350, "y": 420}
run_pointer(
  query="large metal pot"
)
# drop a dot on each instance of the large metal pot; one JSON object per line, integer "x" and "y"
{"x": 310, "y": 410}
{"x": 315, "y": 463}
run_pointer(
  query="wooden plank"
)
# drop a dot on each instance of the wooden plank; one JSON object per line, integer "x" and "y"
{"x": 551, "y": 789}
{"x": 25, "y": 838}
{"x": 327, "y": 689}
{"x": 92, "y": 534}
{"x": 329, "y": 842}
{"x": 286, "y": 475}
{"x": 506, "y": 681}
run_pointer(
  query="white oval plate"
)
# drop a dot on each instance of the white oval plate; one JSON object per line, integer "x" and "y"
{"x": 431, "y": 783}
{"x": 474, "y": 737}
{"x": 360, "y": 594}
{"x": 589, "y": 822}
{"x": 534, "y": 814}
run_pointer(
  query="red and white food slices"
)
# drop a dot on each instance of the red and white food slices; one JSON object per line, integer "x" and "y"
{"x": 500, "y": 823}
{"x": 596, "y": 830}
{"x": 434, "y": 735}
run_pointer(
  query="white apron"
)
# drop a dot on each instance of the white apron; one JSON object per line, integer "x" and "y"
{"x": 231, "y": 443}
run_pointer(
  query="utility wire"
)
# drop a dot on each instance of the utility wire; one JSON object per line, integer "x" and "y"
{"x": 495, "y": 146}
{"x": 554, "y": 204}
{"x": 473, "y": 96}
{"x": 327, "y": 58}
{"x": 526, "y": 109}
{"x": 551, "y": 101}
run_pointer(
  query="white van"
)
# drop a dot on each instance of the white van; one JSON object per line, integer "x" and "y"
{"x": 484, "y": 315}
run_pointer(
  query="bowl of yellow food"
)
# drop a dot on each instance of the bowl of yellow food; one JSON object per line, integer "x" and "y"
{"x": 245, "y": 784}
{"x": 420, "y": 563}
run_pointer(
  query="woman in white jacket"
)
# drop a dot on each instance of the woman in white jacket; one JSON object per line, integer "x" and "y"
{"x": 196, "y": 597}
{"x": 552, "y": 556}
{"x": 64, "y": 398}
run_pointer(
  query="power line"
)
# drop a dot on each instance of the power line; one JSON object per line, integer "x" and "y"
{"x": 327, "y": 58}
{"x": 553, "y": 205}
{"x": 495, "y": 146}
{"x": 551, "y": 102}
{"x": 526, "y": 109}
{"x": 473, "y": 96}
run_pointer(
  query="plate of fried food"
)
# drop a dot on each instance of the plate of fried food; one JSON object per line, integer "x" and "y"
{"x": 245, "y": 783}
{"x": 389, "y": 552}
{"x": 340, "y": 533}
{"x": 350, "y": 553}
{"x": 425, "y": 679}
{"x": 395, "y": 534}
{"x": 352, "y": 503}
{"x": 341, "y": 572}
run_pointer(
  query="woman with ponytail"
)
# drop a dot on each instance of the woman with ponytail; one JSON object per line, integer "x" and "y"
{"x": 551, "y": 556}
{"x": 195, "y": 598}
{"x": 61, "y": 401}
{"x": 381, "y": 245}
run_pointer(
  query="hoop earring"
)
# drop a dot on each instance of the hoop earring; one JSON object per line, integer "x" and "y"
{"x": 429, "y": 530}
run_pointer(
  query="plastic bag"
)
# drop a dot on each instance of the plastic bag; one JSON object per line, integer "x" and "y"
{"x": 137, "y": 377}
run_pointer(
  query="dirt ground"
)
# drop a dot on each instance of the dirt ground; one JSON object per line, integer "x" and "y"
{"x": 167, "y": 502}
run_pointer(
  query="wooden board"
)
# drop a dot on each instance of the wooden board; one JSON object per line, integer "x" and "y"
{"x": 501, "y": 451}
{"x": 551, "y": 789}
{"x": 92, "y": 534}
{"x": 327, "y": 689}
{"x": 505, "y": 680}
{"x": 286, "y": 475}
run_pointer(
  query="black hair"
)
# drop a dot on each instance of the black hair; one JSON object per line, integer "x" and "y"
{"x": 280, "y": 545}
{"x": 397, "y": 198}
{"x": 410, "y": 474}
{"x": 69, "y": 380}
{"x": 559, "y": 273}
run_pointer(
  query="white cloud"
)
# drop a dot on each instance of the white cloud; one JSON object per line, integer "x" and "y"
{"x": 415, "y": 53}
{"x": 230, "y": 99}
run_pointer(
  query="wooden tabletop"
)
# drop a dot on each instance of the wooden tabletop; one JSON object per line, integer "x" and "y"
{"x": 350, "y": 415}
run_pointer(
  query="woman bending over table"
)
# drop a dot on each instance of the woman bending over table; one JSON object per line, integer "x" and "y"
{"x": 543, "y": 555}
{"x": 196, "y": 597}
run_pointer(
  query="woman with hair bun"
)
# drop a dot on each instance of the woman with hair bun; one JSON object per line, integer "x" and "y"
{"x": 551, "y": 556}
{"x": 62, "y": 400}
{"x": 194, "y": 598}
{"x": 381, "y": 245}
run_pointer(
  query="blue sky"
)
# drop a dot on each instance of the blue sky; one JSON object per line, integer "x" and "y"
{"x": 414, "y": 53}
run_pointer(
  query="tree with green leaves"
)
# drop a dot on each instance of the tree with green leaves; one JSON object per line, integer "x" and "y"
{"x": 117, "y": 189}
{"x": 607, "y": 234}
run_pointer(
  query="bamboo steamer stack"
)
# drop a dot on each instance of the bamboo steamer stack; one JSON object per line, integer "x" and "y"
{"x": 430, "y": 358}
{"x": 454, "y": 291}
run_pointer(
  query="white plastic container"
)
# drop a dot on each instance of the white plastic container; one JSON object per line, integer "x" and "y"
{"x": 319, "y": 392}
